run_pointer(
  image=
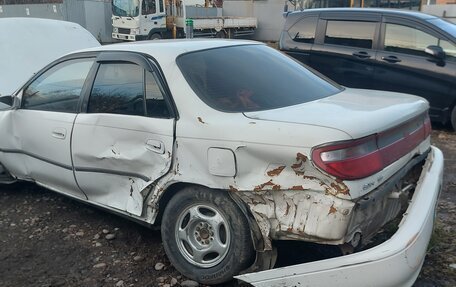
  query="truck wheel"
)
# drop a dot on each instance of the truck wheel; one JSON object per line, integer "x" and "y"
{"x": 220, "y": 34}
{"x": 206, "y": 236}
{"x": 155, "y": 36}
{"x": 453, "y": 118}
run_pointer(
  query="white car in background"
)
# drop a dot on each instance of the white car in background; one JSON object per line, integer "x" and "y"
{"x": 231, "y": 146}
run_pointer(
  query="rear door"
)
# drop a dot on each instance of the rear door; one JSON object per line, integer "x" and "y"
{"x": 344, "y": 49}
{"x": 403, "y": 66}
{"x": 124, "y": 141}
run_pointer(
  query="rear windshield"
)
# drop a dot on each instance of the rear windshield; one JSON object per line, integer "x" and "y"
{"x": 251, "y": 78}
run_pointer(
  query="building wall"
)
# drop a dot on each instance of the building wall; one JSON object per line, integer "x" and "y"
{"x": 268, "y": 12}
{"x": 444, "y": 11}
{"x": 48, "y": 11}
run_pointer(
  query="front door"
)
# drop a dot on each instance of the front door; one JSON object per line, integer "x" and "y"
{"x": 36, "y": 144}
{"x": 124, "y": 142}
{"x": 403, "y": 66}
{"x": 153, "y": 16}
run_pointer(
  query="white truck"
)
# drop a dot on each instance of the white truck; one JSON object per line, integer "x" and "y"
{"x": 134, "y": 20}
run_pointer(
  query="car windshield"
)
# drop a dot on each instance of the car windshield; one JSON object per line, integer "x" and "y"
{"x": 125, "y": 8}
{"x": 445, "y": 25}
{"x": 251, "y": 78}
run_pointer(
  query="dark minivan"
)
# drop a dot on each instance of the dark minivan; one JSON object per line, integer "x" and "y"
{"x": 382, "y": 49}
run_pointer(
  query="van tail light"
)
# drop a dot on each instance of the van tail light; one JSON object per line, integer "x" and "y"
{"x": 355, "y": 159}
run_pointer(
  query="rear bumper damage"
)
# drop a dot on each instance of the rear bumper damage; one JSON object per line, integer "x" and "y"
{"x": 401, "y": 257}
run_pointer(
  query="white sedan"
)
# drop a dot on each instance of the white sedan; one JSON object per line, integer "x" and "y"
{"x": 232, "y": 146}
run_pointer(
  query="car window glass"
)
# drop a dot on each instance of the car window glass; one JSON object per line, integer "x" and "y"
{"x": 407, "y": 40}
{"x": 449, "y": 48}
{"x": 59, "y": 88}
{"x": 350, "y": 33}
{"x": 155, "y": 103}
{"x": 304, "y": 30}
{"x": 118, "y": 89}
{"x": 148, "y": 7}
{"x": 251, "y": 78}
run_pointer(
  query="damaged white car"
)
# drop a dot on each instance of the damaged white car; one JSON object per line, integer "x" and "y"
{"x": 231, "y": 146}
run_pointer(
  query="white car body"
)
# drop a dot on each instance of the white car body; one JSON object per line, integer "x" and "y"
{"x": 263, "y": 159}
{"x": 28, "y": 44}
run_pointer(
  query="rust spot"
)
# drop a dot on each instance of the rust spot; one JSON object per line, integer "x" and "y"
{"x": 276, "y": 187}
{"x": 169, "y": 154}
{"x": 297, "y": 187}
{"x": 332, "y": 209}
{"x": 233, "y": 189}
{"x": 288, "y": 209}
{"x": 341, "y": 188}
{"x": 263, "y": 185}
{"x": 276, "y": 171}
{"x": 201, "y": 120}
{"x": 297, "y": 165}
{"x": 301, "y": 157}
{"x": 300, "y": 160}
{"x": 312, "y": 178}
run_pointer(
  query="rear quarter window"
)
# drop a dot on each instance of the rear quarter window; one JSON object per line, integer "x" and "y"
{"x": 303, "y": 31}
{"x": 251, "y": 78}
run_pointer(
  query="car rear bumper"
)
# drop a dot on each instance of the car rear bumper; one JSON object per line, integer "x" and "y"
{"x": 396, "y": 262}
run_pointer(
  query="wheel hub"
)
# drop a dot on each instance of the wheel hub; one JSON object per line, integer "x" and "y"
{"x": 202, "y": 235}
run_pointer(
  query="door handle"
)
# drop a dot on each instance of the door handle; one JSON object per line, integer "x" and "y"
{"x": 391, "y": 59}
{"x": 361, "y": 55}
{"x": 59, "y": 133}
{"x": 155, "y": 146}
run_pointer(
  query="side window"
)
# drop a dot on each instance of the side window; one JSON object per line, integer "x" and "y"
{"x": 304, "y": 30}
{"x": 162, "y": 8}
{"x": 119, "y": 89}
{"x": 450, "y": 50}
{"x": 350, "y": 33}
{"x": 148, "y": 7}
{"x": 408, "y": 40}
{"x": 155, "y": 103}
{"x": 59, "y": 88}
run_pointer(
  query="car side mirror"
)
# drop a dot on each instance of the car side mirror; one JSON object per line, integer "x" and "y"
{"x": 8, "y": 102}
{"x": 435, "y": 51}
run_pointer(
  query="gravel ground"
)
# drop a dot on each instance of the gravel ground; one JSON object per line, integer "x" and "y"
{"x": 49, "y": 240}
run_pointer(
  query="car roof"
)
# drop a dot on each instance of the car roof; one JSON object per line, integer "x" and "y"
{"x": 387, "y": 11}
{"x": 160, "y": 49}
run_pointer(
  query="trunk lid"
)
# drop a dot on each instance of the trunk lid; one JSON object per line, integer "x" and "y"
{"x": 357, "y": 112}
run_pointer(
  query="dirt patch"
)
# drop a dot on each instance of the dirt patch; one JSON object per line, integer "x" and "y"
{"x": 49, "y": 240}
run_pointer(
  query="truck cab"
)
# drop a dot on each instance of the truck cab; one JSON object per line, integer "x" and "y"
{"x": 134, "y": 20}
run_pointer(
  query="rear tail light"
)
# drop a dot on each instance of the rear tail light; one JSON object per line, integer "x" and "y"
{"x": 360, "y": 158}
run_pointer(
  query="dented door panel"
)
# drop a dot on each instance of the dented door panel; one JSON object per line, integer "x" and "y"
{"x": 113, "y": 160}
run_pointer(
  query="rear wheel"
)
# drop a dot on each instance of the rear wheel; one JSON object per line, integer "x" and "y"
{"x": 220, "y": 34}
{"x": 206, "y": 236}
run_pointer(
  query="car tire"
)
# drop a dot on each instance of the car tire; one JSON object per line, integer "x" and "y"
{"x": 155, "y": 36}
{"x": 220, "y": 34}
{"x": 453, "y": 118}
{"x": 206, "y": 236}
